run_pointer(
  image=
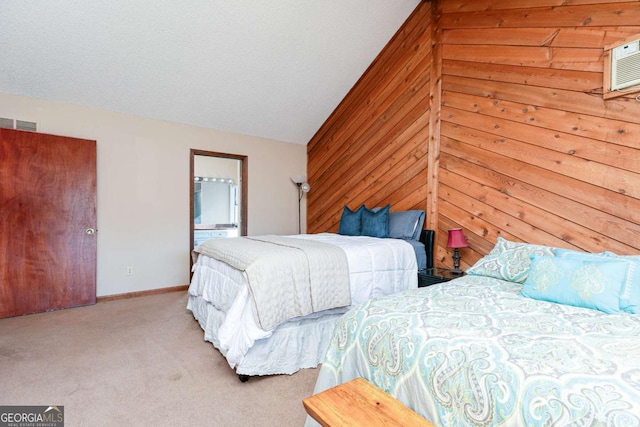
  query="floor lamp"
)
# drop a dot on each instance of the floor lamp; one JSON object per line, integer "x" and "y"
{"x": 303, "y": 187}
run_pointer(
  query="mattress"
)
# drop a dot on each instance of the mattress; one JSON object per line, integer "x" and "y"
{"x": 220, "y": 300}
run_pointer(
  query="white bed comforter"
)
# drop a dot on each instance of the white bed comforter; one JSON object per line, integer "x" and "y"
{"x": 377, "y": 267}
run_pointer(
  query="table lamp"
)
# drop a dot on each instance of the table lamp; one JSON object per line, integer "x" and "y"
{"x": 456, "y": 241}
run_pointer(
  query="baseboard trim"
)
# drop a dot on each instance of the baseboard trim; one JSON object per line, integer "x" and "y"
{"x": 142, "y": 293}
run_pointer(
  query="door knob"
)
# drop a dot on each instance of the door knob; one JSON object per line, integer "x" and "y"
{"x": 90, "y": 231}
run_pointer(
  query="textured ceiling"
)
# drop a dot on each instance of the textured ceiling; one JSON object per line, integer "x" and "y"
{"x": 269, "y": 68}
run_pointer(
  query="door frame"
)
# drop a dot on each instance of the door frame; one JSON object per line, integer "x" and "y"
{"x": 244, "y": 185}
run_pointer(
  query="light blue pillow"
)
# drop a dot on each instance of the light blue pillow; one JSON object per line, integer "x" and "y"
{"x": 561, "y": 252}
{"x": 630, "y": 294}
{"x": 508, "y": 260}
{"x": 578, "y": 281}
{"x": 406, "y": 225}
{"x": 350, "y": 222}
{"x": 375, "y": 224}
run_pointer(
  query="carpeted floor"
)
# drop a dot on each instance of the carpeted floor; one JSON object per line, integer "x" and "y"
{"x": 138, "y": 362}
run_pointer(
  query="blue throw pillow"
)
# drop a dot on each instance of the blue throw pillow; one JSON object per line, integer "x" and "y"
{"x": 630, "y": 294}
{"x": 350, "y": 222}
{"x": 581, "y": 282}
{"x": 375, "y": 224}
{"x": 406, "y": 224}
{"x": 563, "y": 253}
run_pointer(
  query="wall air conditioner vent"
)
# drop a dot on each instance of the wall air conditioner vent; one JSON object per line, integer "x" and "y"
{"x": 23, "y": 125}
{"x": 6, "y": 123}
{"x": 17, "y": 124}
{"x": 625, "y": 65}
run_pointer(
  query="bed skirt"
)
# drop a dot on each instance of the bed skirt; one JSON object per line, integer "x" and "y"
{"x": 293, "y": 345}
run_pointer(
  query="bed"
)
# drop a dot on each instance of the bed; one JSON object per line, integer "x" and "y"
{"x": 254, "y": 341}
{"x": 531, "y": 336}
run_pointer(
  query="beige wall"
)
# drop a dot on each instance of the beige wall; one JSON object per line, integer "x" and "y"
{"x": 143, "y": 187}
{"x": 218, "y": 167}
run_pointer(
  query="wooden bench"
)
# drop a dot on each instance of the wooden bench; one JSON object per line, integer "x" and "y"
{"x": 359, "y": 403}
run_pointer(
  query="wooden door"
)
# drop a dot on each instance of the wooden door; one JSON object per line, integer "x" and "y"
{"x": 47, "y": 214}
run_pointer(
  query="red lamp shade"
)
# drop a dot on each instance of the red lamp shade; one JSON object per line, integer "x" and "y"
{"x": 456, "y": 239}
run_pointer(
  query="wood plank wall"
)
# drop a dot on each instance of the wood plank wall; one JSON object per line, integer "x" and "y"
{"x": 371, "y": 150}
{"x": 525, "y": 148}
{"x": 529, "y": 149}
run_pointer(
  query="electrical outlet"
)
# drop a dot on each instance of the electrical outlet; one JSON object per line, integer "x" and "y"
{"x": 129, "y": 271}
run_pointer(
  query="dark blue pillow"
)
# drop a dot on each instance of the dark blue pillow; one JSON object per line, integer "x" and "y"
{"x": 375, "y": 224}
{"x": 350, "y": 222}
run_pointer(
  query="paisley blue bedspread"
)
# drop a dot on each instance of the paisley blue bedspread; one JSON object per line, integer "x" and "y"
{"x": 472, "y": 352}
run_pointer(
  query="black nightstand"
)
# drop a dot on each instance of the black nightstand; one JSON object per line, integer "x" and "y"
{"x": 431, "y": 276}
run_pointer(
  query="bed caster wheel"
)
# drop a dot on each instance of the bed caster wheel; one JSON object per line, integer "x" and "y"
{"x": 243, "y": 378}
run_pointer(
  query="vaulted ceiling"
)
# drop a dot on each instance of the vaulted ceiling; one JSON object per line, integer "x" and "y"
{"x": 268, "y": 68}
